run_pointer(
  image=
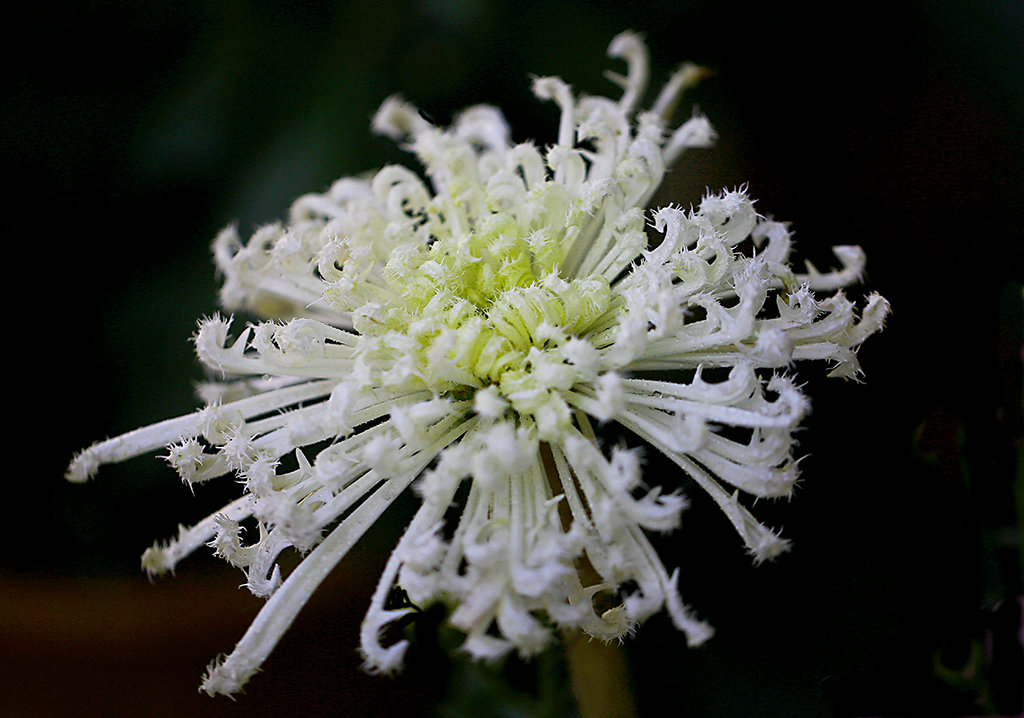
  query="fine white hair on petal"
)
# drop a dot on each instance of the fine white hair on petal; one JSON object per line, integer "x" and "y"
{"x": 462, "y": 330}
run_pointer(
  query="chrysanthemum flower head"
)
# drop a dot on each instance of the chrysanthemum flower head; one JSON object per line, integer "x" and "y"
{"x": 462, "y": 334}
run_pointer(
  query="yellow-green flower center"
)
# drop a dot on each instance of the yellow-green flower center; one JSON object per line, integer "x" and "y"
{"x": 488, "y": 305}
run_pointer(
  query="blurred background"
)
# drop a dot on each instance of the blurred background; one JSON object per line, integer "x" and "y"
{"x": 132, "y": 132}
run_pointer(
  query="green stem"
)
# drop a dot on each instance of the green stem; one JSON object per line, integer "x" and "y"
{"x": 599, "y": 676}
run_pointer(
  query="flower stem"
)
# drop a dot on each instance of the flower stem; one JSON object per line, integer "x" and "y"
{"x": 599, "y": 676}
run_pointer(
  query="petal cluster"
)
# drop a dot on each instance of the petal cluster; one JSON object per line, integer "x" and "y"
{"x": 466, "y": 332}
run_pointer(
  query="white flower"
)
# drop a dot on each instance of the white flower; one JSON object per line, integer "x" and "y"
{"x": 457, "y": 334}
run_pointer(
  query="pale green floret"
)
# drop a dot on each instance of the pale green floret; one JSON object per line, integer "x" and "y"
{"x": 483, "y": 306}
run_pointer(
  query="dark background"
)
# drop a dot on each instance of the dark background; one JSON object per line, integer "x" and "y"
{"x": 132, "y": 132}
